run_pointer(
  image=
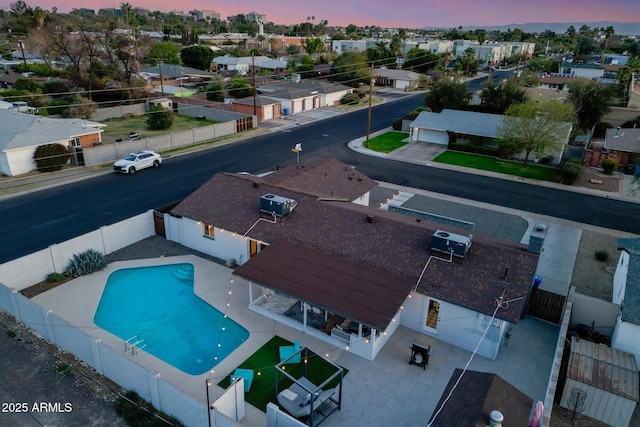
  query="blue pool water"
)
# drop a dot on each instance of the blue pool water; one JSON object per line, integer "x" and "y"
{"x": 158, "y": 305}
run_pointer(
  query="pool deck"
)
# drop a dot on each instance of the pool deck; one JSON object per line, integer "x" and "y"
{"x": 386, "y": 391}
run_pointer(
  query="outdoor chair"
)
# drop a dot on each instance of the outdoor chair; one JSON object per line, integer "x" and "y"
{"x": 287, "y": 350}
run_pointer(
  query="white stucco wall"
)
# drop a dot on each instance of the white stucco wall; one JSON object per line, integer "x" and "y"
{"x": 19, "y": 161}
{"x": 225, "y": 245}
{"x": 456, "y": 325}
{"x": 626, "y": 337}
{"x": 620, "y": 278}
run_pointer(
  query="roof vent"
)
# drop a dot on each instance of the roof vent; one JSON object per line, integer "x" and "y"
{"x": 276, "y": 205}
{"x": 496, "y": 419}
{"x": 450, "y": 243}
{"x": 371, "y": 219}
{"x": 256, "y": 185}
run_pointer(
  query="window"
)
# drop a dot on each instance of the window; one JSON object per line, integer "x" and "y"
{"x": 209, "y": 231}
{"x": 75, "y": 142}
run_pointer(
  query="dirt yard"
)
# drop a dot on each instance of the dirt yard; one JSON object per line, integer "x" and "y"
{"x": 590, "y": 276}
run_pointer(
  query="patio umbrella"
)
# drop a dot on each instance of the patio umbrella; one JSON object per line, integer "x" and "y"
{"x": 536, "y": 420}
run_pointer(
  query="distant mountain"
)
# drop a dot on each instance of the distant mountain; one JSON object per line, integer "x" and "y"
{"x": 621, "y": 28}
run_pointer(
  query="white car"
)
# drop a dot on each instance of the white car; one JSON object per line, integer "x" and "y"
{"x": 138, "y": 160}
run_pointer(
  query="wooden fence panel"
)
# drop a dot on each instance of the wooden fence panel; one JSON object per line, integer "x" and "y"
{"x": 546, "y": 305}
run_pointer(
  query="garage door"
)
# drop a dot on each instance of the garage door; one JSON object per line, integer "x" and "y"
{"x": 433, "y": 136}
{"x": 268, "y": 112}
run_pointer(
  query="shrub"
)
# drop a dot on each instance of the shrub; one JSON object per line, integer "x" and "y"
{"x": 350, "y": 99}
{"x": 477, "y": 149}
{"x": 602, "y": 255}
{"x": 159, "y": 118}
{"x": 609, "y": 165}
{"x": 136, "y": 412}
{"x": 51, "y": 157}
{"x": 86, "y": 262}
{"x": 571, "y": 170}
{"x": 412, "y": 115}
{"x": 396, "y": 124}
{"x": 55, "y": 277}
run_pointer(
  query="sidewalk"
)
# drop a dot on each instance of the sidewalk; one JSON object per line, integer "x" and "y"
{"x": 421, "y": 153}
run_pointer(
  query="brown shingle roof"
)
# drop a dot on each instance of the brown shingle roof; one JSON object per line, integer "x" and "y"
{"x": 326, "y": 178}
{"x": 477, "y": 394}
{"x": 345, "y": 287}
{"x": 392, "y": 243}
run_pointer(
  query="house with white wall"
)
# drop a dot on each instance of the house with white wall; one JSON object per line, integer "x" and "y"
{"x": 626, "y": 292}
{"x": 297, "y": 95}
{"x": 438, "y": 128}
{"x": 22, "y": 133}
{"x": 306, "y": 233}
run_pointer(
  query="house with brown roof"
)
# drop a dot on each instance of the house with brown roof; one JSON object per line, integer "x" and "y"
{"x": 317, "y": 258}
{"x": 623, "y": 144}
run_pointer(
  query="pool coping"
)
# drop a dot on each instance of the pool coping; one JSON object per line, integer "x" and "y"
{"x": 77, "y": 300}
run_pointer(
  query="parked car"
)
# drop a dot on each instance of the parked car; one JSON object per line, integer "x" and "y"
{"x": 136, "y": 161}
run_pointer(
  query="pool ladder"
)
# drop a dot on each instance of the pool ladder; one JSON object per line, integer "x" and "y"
{"x": 134, "y": 344}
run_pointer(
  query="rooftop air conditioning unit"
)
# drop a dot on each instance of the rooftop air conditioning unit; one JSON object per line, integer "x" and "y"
{"x": 450, "y": 243}
{"x": 276, "y": 205}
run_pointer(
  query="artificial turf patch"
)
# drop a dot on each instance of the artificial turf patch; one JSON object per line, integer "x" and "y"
{"x": 263, "y": 363}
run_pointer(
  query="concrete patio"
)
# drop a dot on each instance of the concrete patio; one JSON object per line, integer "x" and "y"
{"x": 386, "y": 391}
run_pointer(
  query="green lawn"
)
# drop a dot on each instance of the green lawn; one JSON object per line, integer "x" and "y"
{"x": 120, "y": 128}
{"x": 364, "y": 102}
{"x": 263, "y": 363}
{"x": 387, "y": 142}
{"x": 493, "y": 164}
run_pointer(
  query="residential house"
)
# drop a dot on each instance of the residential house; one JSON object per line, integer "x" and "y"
{"x": 438, "y": 128}
{"x": 21, "y": 134}
{"x": 559, "y": 82}
{"x": 264, "y": 107}
{"x": 479, "y": 397}
{"x": 623, "y": 144}
{"x": 297, "y": 95}
{"x": 306, "y": 240}
{"x": 587, "y": 71}
{"x": 626, "y": 292}
{"x": 398, "y": 79}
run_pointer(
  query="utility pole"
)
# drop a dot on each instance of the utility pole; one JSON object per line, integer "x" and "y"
{"x": 253, "y": 72}
{"x": 161, "y": 82}
{"x": 366, "y": 143}
{"x": 24, "y": 59}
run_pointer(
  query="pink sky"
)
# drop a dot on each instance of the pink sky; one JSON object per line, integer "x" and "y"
{"x": 394, "y": 13}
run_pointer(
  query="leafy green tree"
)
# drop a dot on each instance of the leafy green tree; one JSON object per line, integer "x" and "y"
{"x": 313, "y": 45}
{"x": 534, "y": 126}
{"x": 351, "y": 69}
{"x": 27, "y": 84}
{"x": 420, "y": 60}
{"x": 51, "y": 157}
{"x": 167, "y": 52}
{"x": 159, "y": 118}
{"x": 81, "y": 107}
{"x": 215, "y": 91}
{"x": 591, "y": 100}
{"x": 447, "y": 94}
{"x": 496, "y": 98}
{"x": 198, "y": 57}
{"x": 239, "y": 87}
{"x": 468, "y": 61}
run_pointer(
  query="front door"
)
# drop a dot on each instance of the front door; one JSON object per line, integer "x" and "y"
{"x": 433, "y": 314}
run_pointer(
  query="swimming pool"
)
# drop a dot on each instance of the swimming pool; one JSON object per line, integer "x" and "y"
{"x": 155, "y": 310}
